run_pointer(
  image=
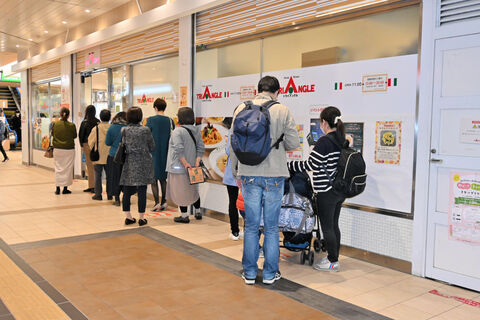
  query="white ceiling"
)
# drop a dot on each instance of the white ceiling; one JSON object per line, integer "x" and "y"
{"x": 21, "y": 20}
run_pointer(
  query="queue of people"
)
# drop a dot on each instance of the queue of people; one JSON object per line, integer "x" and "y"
{"x": 161, "y": 153}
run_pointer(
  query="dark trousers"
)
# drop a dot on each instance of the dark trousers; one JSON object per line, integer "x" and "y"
{"x": 114, "y": 172}
{"x": 99, "y": 168}
{"x": 328, "y": 208}
{"x": 163, "y": 186}
{"x": 232, "y": 208}
{"x": 196, "y": 205}
{"x": 128, "y": 191}
{"x": 3, "y": 150}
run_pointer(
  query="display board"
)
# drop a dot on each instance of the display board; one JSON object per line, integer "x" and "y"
{"x": 378, "y": 102}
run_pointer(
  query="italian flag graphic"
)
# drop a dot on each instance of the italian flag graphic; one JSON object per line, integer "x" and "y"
{"x": 226, "y": 94}
{"x": 395, "y": 81}
{"x": 338, "y": 85}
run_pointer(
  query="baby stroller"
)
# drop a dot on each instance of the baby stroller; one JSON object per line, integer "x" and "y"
{"x": 298, "y": 220}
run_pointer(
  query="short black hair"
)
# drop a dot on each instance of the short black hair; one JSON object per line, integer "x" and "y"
{"x": 105, "y": 115}
{"x": 160, "y": 104}
{"x": 134, "y": 115}
{"x": 186, "y": 116}
{"x": 268, "y": 84}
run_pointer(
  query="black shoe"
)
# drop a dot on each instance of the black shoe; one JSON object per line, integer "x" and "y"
{"x": 66, "y": 191}
{"x": 6, "y": 159}
{"x": 276, "y": 277}
{"x": 95, "y": 197}
{"x": 89, "y": 190}
{"x": 198, "y": 215}
{"x": 181, "y": 219}
{"x": 57, "y": 191}
{"x": 109, "y": 197}
{"x": 116, "y": 203}
{"x": 142, "y": 222}
{"x": 130, "y": 221}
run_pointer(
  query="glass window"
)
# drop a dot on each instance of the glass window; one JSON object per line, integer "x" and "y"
{"x": 381, "y": 35}
{"x": 233, "y": 60}
{"x": 100, "y": 91}
{"x": 46, "y": 108}
{"x": 156, "y": 79}
{"x": 119, "y": 94}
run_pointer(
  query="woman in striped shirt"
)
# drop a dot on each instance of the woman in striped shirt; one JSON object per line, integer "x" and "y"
{"x": 323, "y": 160}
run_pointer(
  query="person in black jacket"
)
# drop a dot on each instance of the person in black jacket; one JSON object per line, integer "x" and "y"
{"x": 88, "y": 123}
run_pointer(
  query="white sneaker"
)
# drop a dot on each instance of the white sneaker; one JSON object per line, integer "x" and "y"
{"x": 277, "y": 277}
{"x": 156, "y": 208}
{"x": 326, "y": 265}
{"x": 234, "y": 237}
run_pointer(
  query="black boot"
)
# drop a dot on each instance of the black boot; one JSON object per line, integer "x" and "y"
{"x": 57, "y": 191}
{"x": 66, "y": 191}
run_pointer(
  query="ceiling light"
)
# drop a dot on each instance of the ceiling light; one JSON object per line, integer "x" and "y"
{"x": 18, "y": 46}
{"x": 64, "y": 22}
{"x": 45, "y": 31}
{"x": 30, "y": 39}
{"x": 87, "y": 11}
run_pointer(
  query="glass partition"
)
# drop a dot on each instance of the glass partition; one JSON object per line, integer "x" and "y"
{"x": 156, "y": 79}
{"x": 46, "y": 98}
{"x": 119, "y": 92}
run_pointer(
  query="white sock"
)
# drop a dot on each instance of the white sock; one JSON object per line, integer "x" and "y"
{"x": 128, "y": 215}
{"x": 184, "y": 214}
{"x": 141, "y": 215}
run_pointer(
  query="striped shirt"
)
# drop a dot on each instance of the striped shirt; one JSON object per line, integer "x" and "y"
{"x": 325, "y": 152}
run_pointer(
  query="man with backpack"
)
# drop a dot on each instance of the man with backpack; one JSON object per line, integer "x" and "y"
{"x": 262, "y": 131}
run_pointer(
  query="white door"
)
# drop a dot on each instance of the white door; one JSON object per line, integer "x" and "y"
{"x": 456, "y": 103}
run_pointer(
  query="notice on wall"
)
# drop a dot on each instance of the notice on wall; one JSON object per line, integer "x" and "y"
{"x": 464, "y": 209}
{"x": 183, "y": 96}
{"x": 388, "y": 142}
{"x": 354, "y": 135}
{"x": 470, "y": 131}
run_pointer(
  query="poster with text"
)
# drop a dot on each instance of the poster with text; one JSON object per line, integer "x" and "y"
{"x": 354, "y": 135}
{"x": 388, "y": 142}
{"x": 297, "y": 154}
{"x": 464, "y": 209}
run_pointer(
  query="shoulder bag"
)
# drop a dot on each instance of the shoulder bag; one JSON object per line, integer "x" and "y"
{"x": 202, "y": 165}
{"x": 49, "y": 151}
{"x": 94, "y": 154}
{"x": 121, "y": 153}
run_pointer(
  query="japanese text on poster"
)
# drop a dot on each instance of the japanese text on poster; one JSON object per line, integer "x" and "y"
{"x": 464, "y": 210}
{"x": 388, "y": 142}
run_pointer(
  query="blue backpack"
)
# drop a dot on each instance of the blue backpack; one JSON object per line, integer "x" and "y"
{"x": 251, "y": 140}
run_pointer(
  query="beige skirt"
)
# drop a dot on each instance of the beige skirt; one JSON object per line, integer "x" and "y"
{"x": 180, "y": 191}
{"x": 64, "y": 160}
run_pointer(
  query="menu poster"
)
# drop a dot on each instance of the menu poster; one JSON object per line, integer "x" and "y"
{"x": 183, "y": 96}
{"x": 388, "y": 142}
{"x": 354, "y": 135}
{"x": 470, "y": 131}
{"x": 297, "y": 154}
{"x": 464, "y": 209}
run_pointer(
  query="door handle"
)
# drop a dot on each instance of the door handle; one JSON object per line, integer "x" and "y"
{"x": 433, "y": 160}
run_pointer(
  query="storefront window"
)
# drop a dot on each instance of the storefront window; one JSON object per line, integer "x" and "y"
{"x": 156, "y": 79}
{"x": 393, "y": 33}
{"x": 119, "y": 93}
{"x": 99, "y": 91}
{"x": 46, "y": 109}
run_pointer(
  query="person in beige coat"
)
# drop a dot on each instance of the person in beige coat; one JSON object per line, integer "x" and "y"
{"x": 99, "y": 142}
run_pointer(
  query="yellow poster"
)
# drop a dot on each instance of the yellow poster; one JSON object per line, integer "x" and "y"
{"x": 183, "y": 96}
{"x": 388, "y": 143}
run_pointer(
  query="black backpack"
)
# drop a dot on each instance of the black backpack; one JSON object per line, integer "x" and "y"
{"x": 350, "y": 179}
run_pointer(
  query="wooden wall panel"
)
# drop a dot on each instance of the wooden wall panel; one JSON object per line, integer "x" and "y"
{"x": 46, "y": 71}
{"x": 146, "y": 44}
{"x": 241, "y": 18}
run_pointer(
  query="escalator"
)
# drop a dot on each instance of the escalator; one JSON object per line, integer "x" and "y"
{"x": 10, "y": 104}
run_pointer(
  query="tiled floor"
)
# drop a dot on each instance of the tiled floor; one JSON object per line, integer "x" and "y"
{"x": 29, "y": 211}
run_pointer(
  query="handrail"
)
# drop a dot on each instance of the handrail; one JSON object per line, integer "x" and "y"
{"x": 14, "y": 96}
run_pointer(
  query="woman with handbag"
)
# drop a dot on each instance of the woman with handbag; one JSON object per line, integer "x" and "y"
{"x": 114, "y": 170}
{"x": 96, "y": 142}
{"x": 185, "y": 150}
{"x": 63, "y": 136}
{"x": 88, "y": 123}
{"x": 137, "y": 172}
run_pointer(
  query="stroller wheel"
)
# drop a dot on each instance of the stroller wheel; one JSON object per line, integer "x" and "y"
{"x": 316, "y": 245}
{"x": 323, "y": 245}
{"x": 311, "y": 257}
{"x": 303, "y": 257}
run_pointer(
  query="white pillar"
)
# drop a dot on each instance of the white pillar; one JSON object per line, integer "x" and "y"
{"x": 185, "y": 72}
{"x": 26, "y": 115}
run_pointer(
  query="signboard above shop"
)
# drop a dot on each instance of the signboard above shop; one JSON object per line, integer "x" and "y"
{"x": 11, "y": 78}
{"x": 92, "y": 59}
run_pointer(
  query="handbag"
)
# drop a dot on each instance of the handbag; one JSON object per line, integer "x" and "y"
{"x": 94, "y": 154}
{"x": 49, "y": 152}
{"x": 121, "y": 153}
{"x": 201, "y": 165}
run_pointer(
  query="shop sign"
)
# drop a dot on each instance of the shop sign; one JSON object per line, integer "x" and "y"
{"x": 208, "y": 95}
{"x": 292, "y": 89}
{"x": 144, "y": 99}
{"x": 93, "y": 58}
{"x": 11, "y": 78}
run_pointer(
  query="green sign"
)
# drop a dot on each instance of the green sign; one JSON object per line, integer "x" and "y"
{"x": 12, "y": 78}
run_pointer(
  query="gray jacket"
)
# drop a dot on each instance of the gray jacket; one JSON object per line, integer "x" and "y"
{"x": 181, "y": 145}
{"x": 138, "y": 167}
{"x": 275, "y": 165}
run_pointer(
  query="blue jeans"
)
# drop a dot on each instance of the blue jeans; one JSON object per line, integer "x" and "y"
{"x": 261, "y": 194}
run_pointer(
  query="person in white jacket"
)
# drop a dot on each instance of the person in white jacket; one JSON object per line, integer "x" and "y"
{"x": 96, "y": 140}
